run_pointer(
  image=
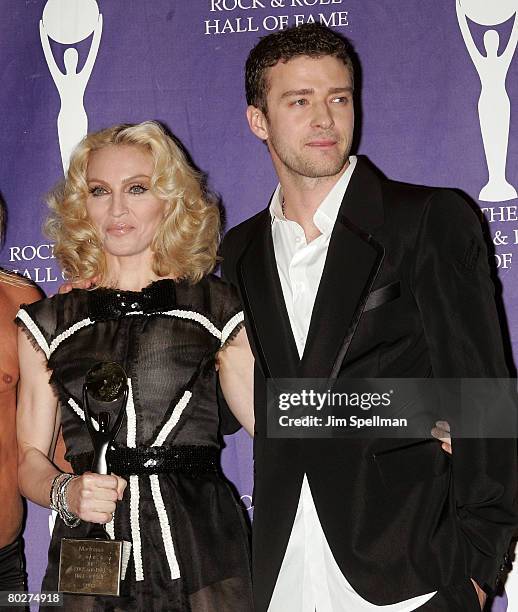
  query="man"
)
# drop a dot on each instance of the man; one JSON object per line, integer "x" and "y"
{"x": 347, "y": 274}
{"x": 14, "y": 291}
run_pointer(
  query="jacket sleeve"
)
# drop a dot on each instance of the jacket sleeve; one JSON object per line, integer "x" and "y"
{"x": 455, "y": 297}
{"x": 229, "y": 259}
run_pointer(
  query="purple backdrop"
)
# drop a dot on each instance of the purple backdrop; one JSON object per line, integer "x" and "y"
{"x": 181, "y": 62}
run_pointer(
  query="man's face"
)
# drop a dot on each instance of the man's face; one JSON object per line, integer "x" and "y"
{"x": 310, "y": 116}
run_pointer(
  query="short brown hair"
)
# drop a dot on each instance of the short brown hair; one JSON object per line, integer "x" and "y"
{"x": 311, "y": 39}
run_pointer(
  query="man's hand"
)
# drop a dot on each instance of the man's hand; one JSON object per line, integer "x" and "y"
{"x": 80, "y": 284}
{"x": 481, "y": 594}
{"x": 441, "y": 431}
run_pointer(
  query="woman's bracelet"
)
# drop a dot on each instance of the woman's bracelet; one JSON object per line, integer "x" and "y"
{"x": 58, "y": 499}
{"x": 54, "y": 490}
{"x": 69, "y": 518}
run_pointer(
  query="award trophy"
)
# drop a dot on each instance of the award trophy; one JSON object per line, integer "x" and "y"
{"x": 494, "y": 106}
{"x": 93, "y": 565}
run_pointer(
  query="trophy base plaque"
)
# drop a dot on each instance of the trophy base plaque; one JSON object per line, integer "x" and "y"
{"x": 90, "y": 566}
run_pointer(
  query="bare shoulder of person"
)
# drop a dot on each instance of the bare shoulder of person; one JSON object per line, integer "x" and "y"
{"x": 16, "y": 290}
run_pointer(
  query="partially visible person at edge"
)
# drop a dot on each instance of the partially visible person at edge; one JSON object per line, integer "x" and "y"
{"x": 14, "y": 290}
{"x": 134, "y": 215}
{"x": 347, "y": 274}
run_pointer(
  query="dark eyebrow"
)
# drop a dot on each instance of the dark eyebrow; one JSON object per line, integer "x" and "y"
{"x": 307, "y": 92}
{"x": 341, "y": 90}
{"x": 297, "y": 92}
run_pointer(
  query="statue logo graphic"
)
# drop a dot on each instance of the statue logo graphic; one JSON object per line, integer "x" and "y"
{"x": 69, "y": 22}
{"x": 494, "y": 109}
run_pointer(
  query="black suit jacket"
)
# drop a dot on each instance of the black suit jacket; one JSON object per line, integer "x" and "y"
{"x": 405, "y": 292}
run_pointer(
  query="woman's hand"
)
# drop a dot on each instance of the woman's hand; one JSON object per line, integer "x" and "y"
{"x": 93, "y": 497}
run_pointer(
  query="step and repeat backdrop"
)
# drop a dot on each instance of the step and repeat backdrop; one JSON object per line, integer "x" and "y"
{"x": 438, "y": 106}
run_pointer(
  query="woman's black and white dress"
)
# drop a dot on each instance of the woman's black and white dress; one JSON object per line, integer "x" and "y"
{"x": 188, "y": 533}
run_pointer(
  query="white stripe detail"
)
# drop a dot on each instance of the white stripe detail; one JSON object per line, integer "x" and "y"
{"x": 173, "y": 419}
{"x": 131, "y": 419}
{"x": 80, "y": 412}
{"x": 164, "y": 526}
{"x": 231, "y": 325}
{"x": 126, "y": 547}
{"x": 110, "y": 528}
{"x": 194, "y": 316}
{"x": 180, "y": 314}
{"x": 155, "y": 487}
{"x": 135, "y": 527}
{"x": 131, "y": 441}
{"x": 69, "y": 332}
{"x": 24, "y": 316}
{"x": 126, "y": 551}
{"x": 76, "y": 408}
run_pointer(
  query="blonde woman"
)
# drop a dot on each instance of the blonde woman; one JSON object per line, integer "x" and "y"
{"x": 133, "y": 215}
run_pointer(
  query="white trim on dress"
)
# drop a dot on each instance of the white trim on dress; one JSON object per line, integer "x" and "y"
{"x": 229, "y": 327}
{"x": 189, "y": 315}
{"x": 69, "y": 332}
{"x": 173, "y": 419}
{"x": 164, "y": 526}
{"x": 135, "y": 527}
{"x": 24, "y": 316}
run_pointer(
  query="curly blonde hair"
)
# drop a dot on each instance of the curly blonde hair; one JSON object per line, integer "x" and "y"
{"x": 186, "y": 243}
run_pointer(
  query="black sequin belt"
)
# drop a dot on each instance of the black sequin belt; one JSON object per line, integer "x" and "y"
{"x": 190, "y": 460}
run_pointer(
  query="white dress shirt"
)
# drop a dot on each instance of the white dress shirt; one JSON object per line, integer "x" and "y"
{"x": 309, "y": 578}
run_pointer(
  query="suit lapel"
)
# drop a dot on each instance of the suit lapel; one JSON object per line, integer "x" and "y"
{"x": 353, "y": 260}
{"x": 264, "y": 305}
